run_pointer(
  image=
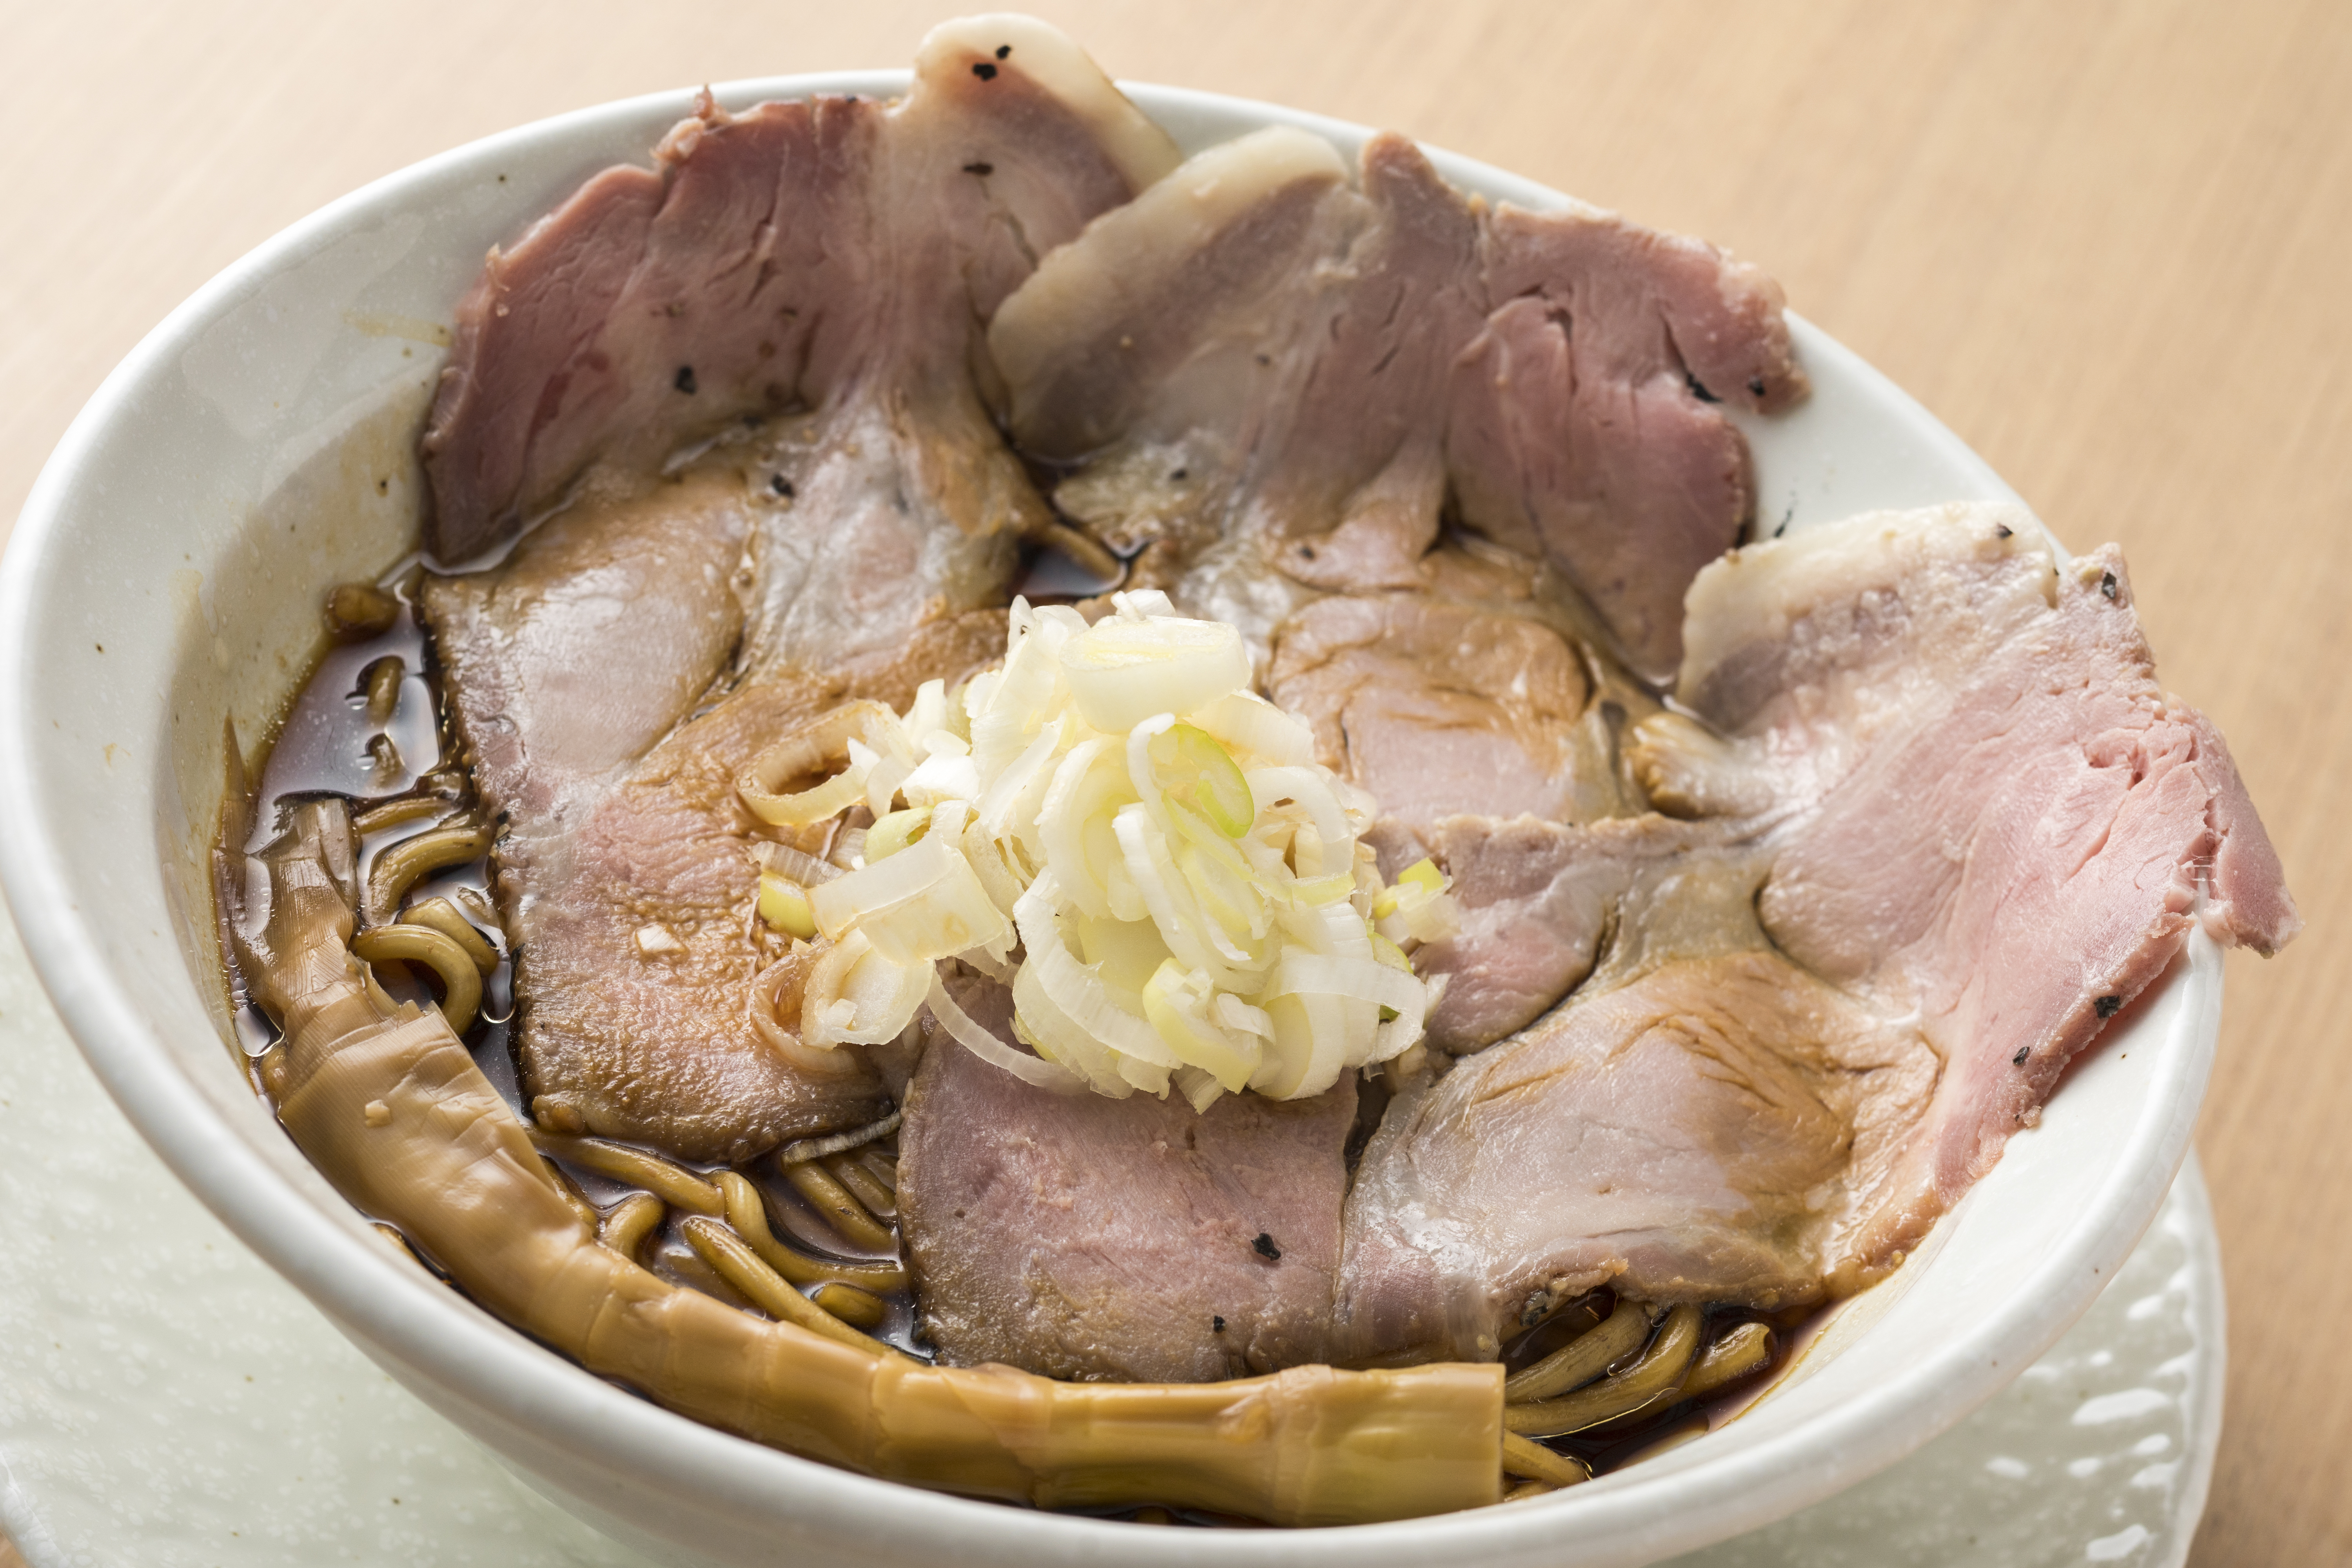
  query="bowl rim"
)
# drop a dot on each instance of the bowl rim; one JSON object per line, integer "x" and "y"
{"x": 394, "y": 1310}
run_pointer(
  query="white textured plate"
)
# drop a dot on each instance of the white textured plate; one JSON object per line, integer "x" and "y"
{"x": 258, "y": 445}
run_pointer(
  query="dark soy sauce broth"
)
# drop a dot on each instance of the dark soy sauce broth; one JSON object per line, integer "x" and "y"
{"x": 328, "y": 744}
{"x": 1612, "y": 1445}
{"x": 1052, "y": 576}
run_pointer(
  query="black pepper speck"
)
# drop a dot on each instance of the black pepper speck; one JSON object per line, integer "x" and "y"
{"x": 984, "y": 71}
{"x": 1698, "y": 389}
{"x": 2019, "y": 1060}
{"x": 782, "y": 486}
{"x": 1266, "y": 1248}
{"x": 685, "y": 381}
{"x": 983, "y": 170}
{"x": 2005, "y": 531}
{"x": 1003, "y": 51}
{"x": 2107, "y": 583}
{"x": 1216, "y": 1325}
{"x": 2107, "y": 1006}
{"x": 1755, "y": 385}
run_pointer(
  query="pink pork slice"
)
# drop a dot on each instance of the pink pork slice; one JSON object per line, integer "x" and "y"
{"x": 803, "y": 287}
{"x": 1437, "y": 706}
{"x": 1696, "y": 1133}
{"x": 1485, "y": 733}
{"x": 2015, "y": 826}
{"x": 1271, "y": 380}
{"x": 772, "y": 259}
{"x": 1129, "y": 1239}
{"x": 1988, "y": 830}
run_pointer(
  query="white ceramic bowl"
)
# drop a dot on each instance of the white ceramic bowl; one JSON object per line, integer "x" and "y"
{"x": 260, "y": 445}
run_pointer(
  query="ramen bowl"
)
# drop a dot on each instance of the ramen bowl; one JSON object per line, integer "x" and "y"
{"x": 159, "y": 602}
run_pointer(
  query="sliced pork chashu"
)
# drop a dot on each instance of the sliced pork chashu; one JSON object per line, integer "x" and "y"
{"x": 770, "y": 259}
{"x": 1254, "y": 363}
{"x": 1272, "y": 383}
{"x": 1488, "y": 737}
{"x": 1440, "y": 707}
{"x": 1134, "y": 1240}
{"x": 2006, "y": 822}
{"x": 1970, "y": 827}
{"x": 821, "y": 270}
{"x": 1536, "y": 901}
{"x": 1693, "y": 1136}
{"x": 566, "y": 669}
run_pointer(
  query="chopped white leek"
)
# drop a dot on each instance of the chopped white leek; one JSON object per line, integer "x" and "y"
{"x": 1124, "y": 669}
{"x": 1245, "y": 721}
{"x": 785, "y": 905}
{"x": 969, "y": 1032}
{"x": 833, "y": 745}
{"x": 1185, "y": 885}
{"x": 858, "y": 996}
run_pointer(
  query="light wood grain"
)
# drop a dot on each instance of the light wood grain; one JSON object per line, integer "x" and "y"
{"x": 2105, "y": 242}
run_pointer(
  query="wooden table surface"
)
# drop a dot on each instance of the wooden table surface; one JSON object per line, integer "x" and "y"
{"x": 2110, "y": 244}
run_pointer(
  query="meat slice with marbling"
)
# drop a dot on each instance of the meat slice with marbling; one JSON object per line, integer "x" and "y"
{"x": 1272, "y": 381}
{"x": 565, "y": 671}
{"x": 1435, "y": 707}
{"x": 1534, "y": 901}
{"x": 1942, "y": 825}
{"x": 589, "y": 681}
{"x": 1586, "y": 422}
{"x": 1132, "y": 1239}
{"x": 822, "y": 271}
{"x": 2008, "y": 824}
{"x": 1697, "y": 1133}
{"x": 782, "y": 259}
{"x": 1485, "y": 735}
